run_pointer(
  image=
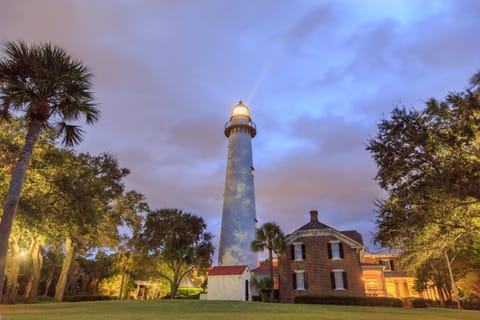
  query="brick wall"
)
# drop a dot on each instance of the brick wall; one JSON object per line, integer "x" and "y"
{"x": 317, "y": 267}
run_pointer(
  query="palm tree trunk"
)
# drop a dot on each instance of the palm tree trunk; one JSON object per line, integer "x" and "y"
{"x": 14, "y": 191}
{"x": 270, "y": 262}
{"x": 67, "y": 262}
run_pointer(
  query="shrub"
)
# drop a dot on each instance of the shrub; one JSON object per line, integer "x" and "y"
{"x": 86, "y": 298}
{"x": 419, "y": 303}
{"x": 349, "y": 300}
{"x": 414, "y": 302}
{"x": 188, "y": 293}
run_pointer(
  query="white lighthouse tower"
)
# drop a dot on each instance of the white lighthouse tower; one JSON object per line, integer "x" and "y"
{"x": 239, "y": 217}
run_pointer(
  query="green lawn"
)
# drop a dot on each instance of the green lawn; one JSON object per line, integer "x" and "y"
{"x": 212, "y": 310}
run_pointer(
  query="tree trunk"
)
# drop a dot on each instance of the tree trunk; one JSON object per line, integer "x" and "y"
{"x": 272, "y": 283}
{"x": 120, "y": 294}
{"x": 12, "y": 276}
{"x": 48, "y": 282}
{"x": 94, "y": 283}
{"x": 37, "y": 261}
{"x": 14, "y": 191}
{"x": 440, "y": 294}
{"x": 67, "y": 262}
{"x": 174, "y": 285}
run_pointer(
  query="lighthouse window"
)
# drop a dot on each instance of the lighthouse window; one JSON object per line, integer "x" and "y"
{"x": 253, "y": 171}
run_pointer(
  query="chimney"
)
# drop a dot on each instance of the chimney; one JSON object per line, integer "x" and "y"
{"x": 313, "y": 216}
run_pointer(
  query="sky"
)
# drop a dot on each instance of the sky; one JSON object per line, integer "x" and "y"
{"x": 318, "y": 77}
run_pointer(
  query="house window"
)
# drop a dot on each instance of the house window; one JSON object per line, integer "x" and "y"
{"x": 388, "y": 264}
{"x": 339, "y": 279}
{"x": 299, "y": 278}
{"x": 298, "y": 251}
{"x": 335, "y": 250}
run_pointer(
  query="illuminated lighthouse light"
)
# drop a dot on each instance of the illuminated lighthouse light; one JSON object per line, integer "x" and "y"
{"x": 240, "y": 110}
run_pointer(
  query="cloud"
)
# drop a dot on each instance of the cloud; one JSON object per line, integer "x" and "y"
{"x": 318, "y": 78}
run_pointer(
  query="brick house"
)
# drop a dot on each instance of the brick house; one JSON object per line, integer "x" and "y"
{"x": 321, "y": 260}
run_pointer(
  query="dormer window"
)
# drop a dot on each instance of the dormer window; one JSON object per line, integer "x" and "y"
{"x": 388, "y": 264}
{"x": 297, "y": 251}
{"x": 335, "y": 250}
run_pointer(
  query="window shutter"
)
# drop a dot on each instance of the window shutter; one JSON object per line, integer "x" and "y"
{"x": 294, "y": 280}
{"x": 332, "y": 280}
{"x": 391, "y": 265}
{"x": 329, "y": 247}
{"x": 305, "y": 281}
{"x": 304, "y": 256}
{"x": 292, "y": 252}
{"x": 345, "y": 281}
{"x": 340, "y": 245}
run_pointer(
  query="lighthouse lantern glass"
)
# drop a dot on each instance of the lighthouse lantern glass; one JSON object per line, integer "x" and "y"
{"x": 240, "y": 110}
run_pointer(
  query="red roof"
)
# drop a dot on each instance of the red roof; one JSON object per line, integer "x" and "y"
{"x": 227, "y": 270}
{"x": 265, "y": 269}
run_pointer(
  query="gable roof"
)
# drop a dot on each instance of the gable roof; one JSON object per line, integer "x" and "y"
{"x": 314, "y": 225}
{"x": 227, "y": 270}
{"x": 317, "y": 228}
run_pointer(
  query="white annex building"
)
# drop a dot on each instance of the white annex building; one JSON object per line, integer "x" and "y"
{"x": 229, "y": 283}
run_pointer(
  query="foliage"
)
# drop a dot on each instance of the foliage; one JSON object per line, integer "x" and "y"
{"x": 349, "y": 300}
{"x": 86, "y": 298}
{"x": 111, "y": 286}
{"x": 429, "y": 165}
{"x": 269, "y": 236}
{"x": 419, "y": 302}
{"x": 50, "y": 89}
{"x": 47, "y": 84}
{"x": 179, "y": 241}
{"x": 57, "y": 181}
{"x": 263, "y": 287}
{"x": 188, "y": 293}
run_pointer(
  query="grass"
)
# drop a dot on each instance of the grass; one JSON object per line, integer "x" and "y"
{"x": 213, "y": 310}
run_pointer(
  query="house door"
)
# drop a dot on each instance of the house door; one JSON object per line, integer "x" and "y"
{"x": 246, "y": 290}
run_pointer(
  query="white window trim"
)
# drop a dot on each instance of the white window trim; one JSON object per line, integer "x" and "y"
{"x": 337, "y": 242}
{"x": 295, "y": 246}
{"x": 340, "y": 272}
{"x": 297, "y": 272}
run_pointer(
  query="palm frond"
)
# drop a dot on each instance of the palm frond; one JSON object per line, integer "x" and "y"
{"x": 48, "y": 84}
{"x": 72, "y": 134}
{"x": 5, "y": 113}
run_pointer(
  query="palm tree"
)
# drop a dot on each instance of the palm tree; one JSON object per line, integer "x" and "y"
{"x": 269, "y": 236}
{"x": 49, "y": 88}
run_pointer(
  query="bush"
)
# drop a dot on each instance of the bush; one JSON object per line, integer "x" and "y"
{"x": 86, "y": 298}
{"x": 349, "y": 300}
{"x": 414, "y": 302}
{"x": 188, "y": 293}
{"x": 470, "y": 305}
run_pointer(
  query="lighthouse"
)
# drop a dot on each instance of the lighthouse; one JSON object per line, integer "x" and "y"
{"x": 238, "y": 217}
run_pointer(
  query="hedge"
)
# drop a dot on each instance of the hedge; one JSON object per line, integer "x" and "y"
{"x": 86, "y": 298}
{"x": 349, "y": 300}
